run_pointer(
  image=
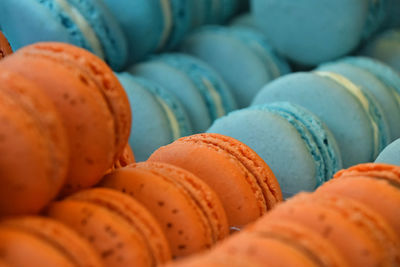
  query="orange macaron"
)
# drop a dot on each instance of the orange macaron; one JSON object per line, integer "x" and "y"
{"x": 39, "y": 241}
{"x": 87, "y": 118}
{"x": 190, "y": 213}
{"x": 243, "y": 181}
{"x": 5, "y": 48}
{"x": 120, "y": 229}
{"x": 35, "y": 153}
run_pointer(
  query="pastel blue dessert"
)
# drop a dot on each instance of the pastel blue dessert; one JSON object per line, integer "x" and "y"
{"x": 310, "y": 32}
{"x": 367, "y": 81}
{"x": 85, "y": 23}
{"x": 354, "y": 116}
{"x": 245, "y": 20}
{"x": 159, "y": 117}
{"x": 151, "y": 25}
{"x": 391, "y": 154}
{"x": 242, "y": 57}
{"x": 298, "y": 147}
{"x": 386, "y": 48}
{"x": 204, "y": 94}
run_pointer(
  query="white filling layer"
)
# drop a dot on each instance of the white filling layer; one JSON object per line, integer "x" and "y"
{"x": 173, "y": 121}
{"x": 167, "y": 12}
{"x": 357, "y": 92}
{"x": 83, "y": 26}
{"x": 216, "y": 97}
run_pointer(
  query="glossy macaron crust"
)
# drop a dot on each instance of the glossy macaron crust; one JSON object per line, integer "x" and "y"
{"x": 68, "y": 243}
{"x": 118, "y": 227}
{"x": 280, "y": 129}
{"x": 332, "y": 105}
{"x": 5, "y": 48}
{"x": 87, "y": 24}
{"x": 363, "y": 240}
{"x": 159, "y": 116}
{"x": 36, "y": 154}
{"x": 189, "y": 212}
{"x": 243, "y": 181}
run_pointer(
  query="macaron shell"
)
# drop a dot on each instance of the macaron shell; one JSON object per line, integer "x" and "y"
{"x": 5, "y": 48}
{"x": 182, "y": 221}
{"x": 373, "y": 170}
{"x": 363, "y": 240}
{"x": 26, "y": 146}
{"x": 390, "y": 154}
{"x": 136, "y": 215}
{"x": 88, "y": 122}
{"x": 101, "y": 74}
{"x": 20, "y": 249}
{"x": 236, "y": 186}
{"x": 65, "y": 240}
{"x": 111, "y": 236}
{"x": 378, "y": 194}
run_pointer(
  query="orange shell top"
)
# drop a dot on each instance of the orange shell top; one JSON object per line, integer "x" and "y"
{"x": 5, "y": 48}
{"x": 243, "y": 181}
{"x": 34, "y": 161}
{"x": 84, "y": 112}
{"x": 376, "y": 170}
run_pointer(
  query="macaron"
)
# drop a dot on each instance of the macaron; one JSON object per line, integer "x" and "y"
{"x": 203, "y": 93}
{"x": 285, "y": 134}
{"x": 119, "y": 228}
{"x": 53, "y": 234}
{"x": 34, "y": 142}
{"x": 374, "y": 185}
{"x": 360, "y": 235}
{"x": 390, "y": 154}
{"x": 317, "y": 31}
{"x": 360, "y": 137}
{"x": 189, "y": 212}
{"x": 387, "y": 97}
{"x": 385, "y": 47}
{"x": 243, "y": 60}
{"x": 318, "y": 249}
{"x": 5, "y": 48}
{"x": 243, "y": 20}
{"x": 93, "y": 106}
{"x": 242, "y": 180}
{"x": 87, "y": 24}
{"x": 159, "y": 116}
{"x": 127, "y": 157}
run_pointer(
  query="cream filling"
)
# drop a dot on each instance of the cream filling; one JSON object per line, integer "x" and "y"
{"x": 356, "y": 91}
{"x": 173, "y": 121}
{"x": 83, "y": 26}
{"x": 167, "y": 11}
{"x": 216, "y": 97}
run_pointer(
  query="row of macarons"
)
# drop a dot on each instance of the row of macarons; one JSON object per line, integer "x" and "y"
{"x": 352, "y": 220}
{"x": 312, "y": 32}
{"x": 120, "y": 32}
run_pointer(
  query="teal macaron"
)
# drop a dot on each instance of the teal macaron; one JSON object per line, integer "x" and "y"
{"x": 159, "y": 117}
{"x": 354, "y": 116}
{"x": 203, "y": 93}
{"x": 84, "y": 23}
{"x": 241, "y": 56}
{"x": 391, "y": 154}
{"x": 387, "y": 97}
{"x": 298, "y": 147}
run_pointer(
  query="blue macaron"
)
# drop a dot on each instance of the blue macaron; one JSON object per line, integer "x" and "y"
{"x": 245, "y": 20}
{"x": 242, "y": 57}
{"x": 85, "y": 23}
{"x": 204, "y": 94}
{"x": 159, "y": 117}
{"x": 367, "y": 81}
{"x": 310, "y": 32}
{"x": 386, "y": 48}
{"x": 391, "y": 154}
{"x": 298, "y": 147}
{"x": 354, "y": 116}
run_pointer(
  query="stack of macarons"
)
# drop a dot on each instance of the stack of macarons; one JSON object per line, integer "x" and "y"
{"x": 65, "y": 118}
{"x": 353, "y": 220}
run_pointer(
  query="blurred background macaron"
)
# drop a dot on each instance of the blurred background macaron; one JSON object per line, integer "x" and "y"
{"x": 87, "y": 24}
{"x": 284, "y": 134}
{"x": 390, "y": 154}
{"x": 159, "y": 116}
